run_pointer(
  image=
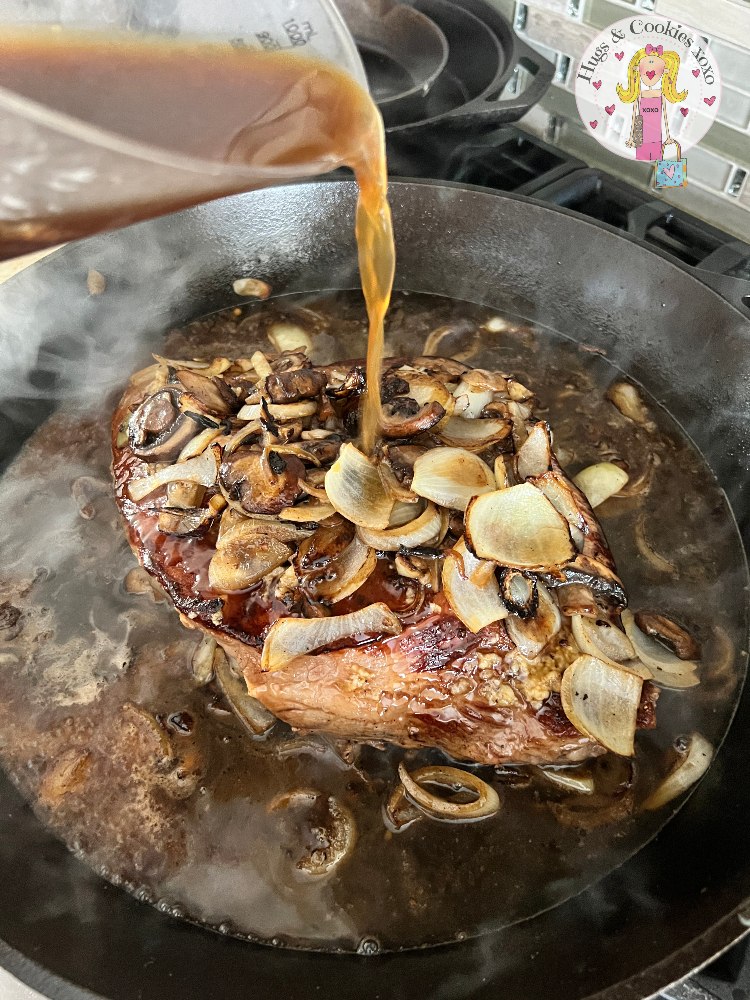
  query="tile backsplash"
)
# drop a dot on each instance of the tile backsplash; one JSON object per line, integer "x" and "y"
{"x": 718, "y": 186}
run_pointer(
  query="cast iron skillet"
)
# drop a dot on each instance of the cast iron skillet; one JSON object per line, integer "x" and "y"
{"x": 677, "y": 902}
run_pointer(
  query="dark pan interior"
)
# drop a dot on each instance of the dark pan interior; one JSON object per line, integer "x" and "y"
{"x": 664, "y": 912}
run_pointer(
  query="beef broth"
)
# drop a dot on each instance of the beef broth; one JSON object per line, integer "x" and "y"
{"x": 148, "y": 774}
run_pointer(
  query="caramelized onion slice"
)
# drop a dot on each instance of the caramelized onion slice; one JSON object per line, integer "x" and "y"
{"x": 476, "y": 604}
{"x": 241, "y": 562}
{"x": 691, "y": 766}
{"x": 472, "y": 434}
{"x": 606, "y": 642}
{"x": 518, "y": 527}
{"x": 451, "y": 477}
{"x": 600, "y": 482}
{"x": 486, "y": 802}
{"x": 533, "y": 634}
{"x": 419, "y": 531}
{"x": 356, "y": 490}
{"x": 349, "y": 571}
{"x": 572, "y": 779}
{"x": 601, "y": 700}
{"x": 202, "y": 470}
{"x": 249, "y": 710}
{"x": 307, "y": 513}
{"x": 666, "y": 668}
{"x": 289, "y": 638}
{"x": 534, "y": 457}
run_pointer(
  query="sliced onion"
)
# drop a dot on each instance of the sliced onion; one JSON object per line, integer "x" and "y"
{"x": 475, "y": 604}
{"x": 396, "y": 490}
{"x": 690, "y": 767}
{"x": 356, "y": 490}
{"x": 289, "y": 337}
{"x": 289, "y": 638}
{"x": 569, "y": 778}
{"x": 472, "y": 434}
{"x": 202, "y": 470}
{"x": 451, "y": 477}
{"x": 216, "y": 367}
{"x": 249, "y": 710}
{"x": 309, "y": 512}
{"x": 518, "y": 527}
{"x": 279, "y": 411}
{"x": 600, "y": 482}
{"x": 561, "y": 496}
{"x": 419, "y": 531}
{"x": 534, "y": 457}
{"x": 476, "y": 399}
{"x": 199, "y": 443}
{"x": 253, "y": 427}
{"x": 502, "y": 479}
{"x": 486, "y": 803}
{"x": 242, "y": 562}
{"x": 251, "y": 288}
{"x": 667, "y": 669}
{"x": 202, "y": 662}
{"x": 606, "y": 642}
{"x": 533, "y": 634}
{"x": 601, "y": 700}
{"x": 404, "y": 511}
{"x": 349, "y": 571}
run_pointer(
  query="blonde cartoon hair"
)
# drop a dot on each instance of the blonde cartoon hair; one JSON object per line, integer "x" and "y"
{"x": 669, "y": 79}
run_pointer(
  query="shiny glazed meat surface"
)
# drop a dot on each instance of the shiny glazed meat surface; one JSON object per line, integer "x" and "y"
{"x": 471, "y": 693}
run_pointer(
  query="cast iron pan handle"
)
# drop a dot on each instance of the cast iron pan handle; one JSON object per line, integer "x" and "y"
{"x": 490, "y": 110}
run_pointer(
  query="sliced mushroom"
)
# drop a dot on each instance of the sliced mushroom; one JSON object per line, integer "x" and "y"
{"x": 210, "y": 398}
{"x": 627, "y": 399}
{"x": 158, "y": 431}
{"x": 293, "y": 386}
{"x": 259, "y": 483}
{"x": 244, "y": 560}
{"x": 677, "y": 638}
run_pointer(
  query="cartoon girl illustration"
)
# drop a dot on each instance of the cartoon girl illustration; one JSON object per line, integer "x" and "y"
{"x": 652, "y": 81}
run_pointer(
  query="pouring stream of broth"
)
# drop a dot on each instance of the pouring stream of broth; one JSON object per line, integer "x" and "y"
{"x": 271, "y": 115}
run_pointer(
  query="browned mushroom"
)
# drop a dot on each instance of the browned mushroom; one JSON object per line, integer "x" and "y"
{"x": 185, "y": 522}
{"x": 675, "y": 636}
{"x": 158, "y": 431}
{"x": 209, "y": 399}
{"x": 417, "y": 423}
{"x": 260, "y": 483}
{"x": 292, "y": 386}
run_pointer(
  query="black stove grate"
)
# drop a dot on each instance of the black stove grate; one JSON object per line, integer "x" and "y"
{"x": 512, "y": 160}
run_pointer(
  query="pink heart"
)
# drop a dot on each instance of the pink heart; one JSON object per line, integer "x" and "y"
{"x": 684, "y": 112}
{"x": 610, "y": 109}
{"x": 619, "y": 55}
{"x": 594, "y": 123}
{"x": 597, "y": 84}
{"x": 651, "y": 73}
{"x": 709, "y": 100}
{"x": 669, "y": 171}
{"x": 696, "y": 72}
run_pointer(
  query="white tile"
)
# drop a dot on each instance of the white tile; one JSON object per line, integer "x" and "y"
{"x": 735, "y": 109}
{"x": 734, "y": 64}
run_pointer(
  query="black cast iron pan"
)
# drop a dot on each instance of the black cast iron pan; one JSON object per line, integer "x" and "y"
{"x": 669, "y": 909}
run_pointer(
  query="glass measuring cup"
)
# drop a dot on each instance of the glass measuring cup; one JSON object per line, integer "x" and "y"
{"x": 66, "y": 174}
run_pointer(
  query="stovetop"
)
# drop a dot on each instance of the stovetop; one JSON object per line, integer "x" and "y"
{"x": 513, "y": 160}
